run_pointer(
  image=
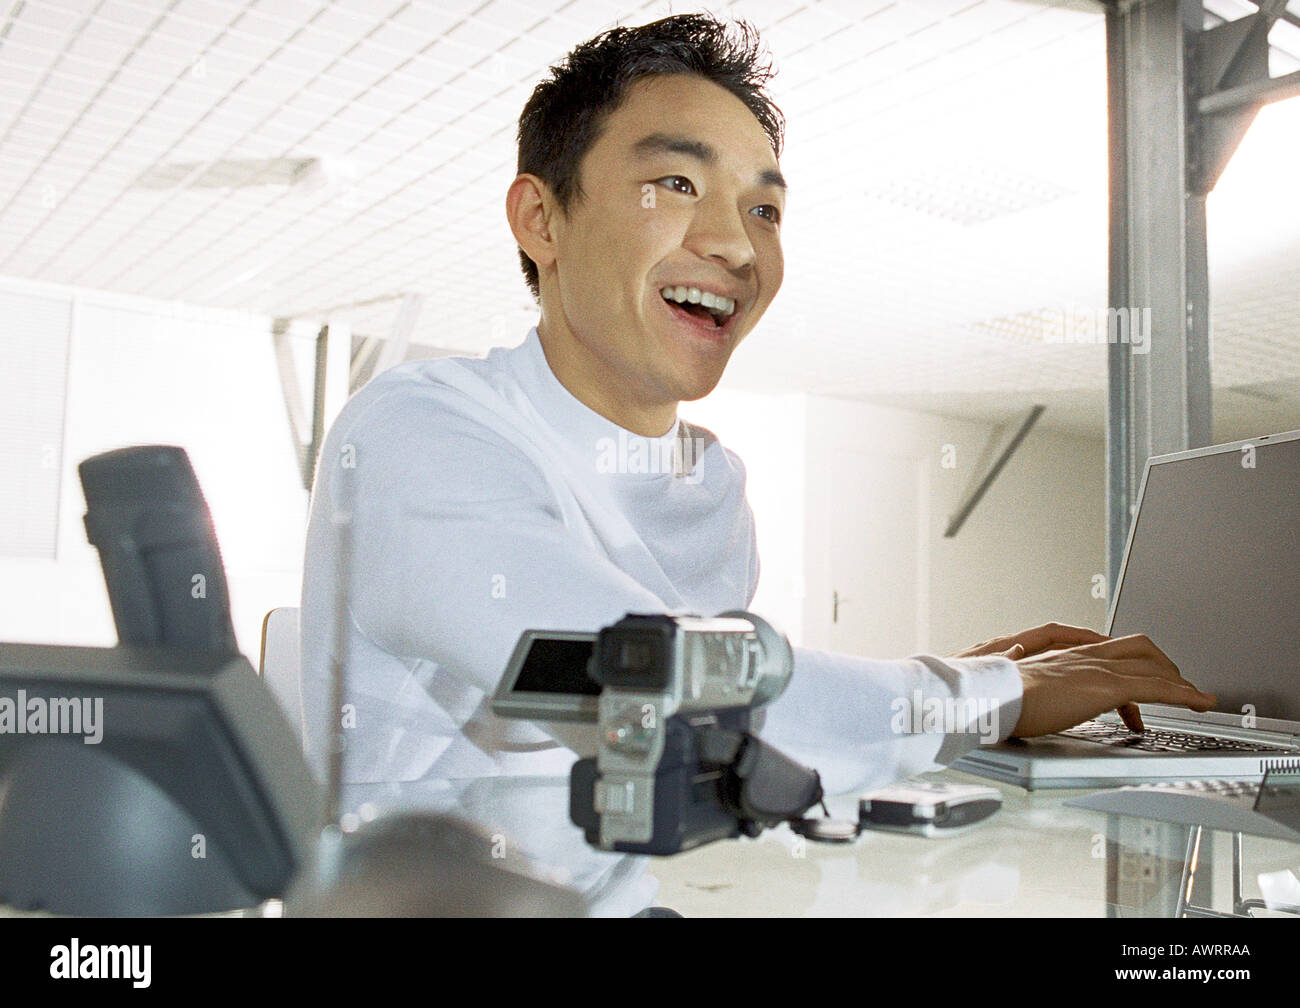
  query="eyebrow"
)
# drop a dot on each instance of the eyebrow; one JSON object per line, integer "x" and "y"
{"x": 706, "y": 154}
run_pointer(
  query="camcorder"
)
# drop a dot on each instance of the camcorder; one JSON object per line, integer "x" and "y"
{"x": 663, "y": 710}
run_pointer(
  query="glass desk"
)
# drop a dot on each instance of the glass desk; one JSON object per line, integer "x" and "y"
{"x": 1036, "y": 857}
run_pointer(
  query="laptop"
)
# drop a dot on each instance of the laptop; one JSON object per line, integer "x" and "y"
{"x": 1211, "y": 574}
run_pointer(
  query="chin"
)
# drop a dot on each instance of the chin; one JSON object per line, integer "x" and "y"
{"x": 699, "y": 388}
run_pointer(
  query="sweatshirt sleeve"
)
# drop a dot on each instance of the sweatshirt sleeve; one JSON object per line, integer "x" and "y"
{"x": 864, "y": 723}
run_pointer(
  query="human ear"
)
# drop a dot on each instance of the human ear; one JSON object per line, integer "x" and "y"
{"x": 529, "y": 207}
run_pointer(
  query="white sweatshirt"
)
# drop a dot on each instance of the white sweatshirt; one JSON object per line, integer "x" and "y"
{"x": 487, "y": 500}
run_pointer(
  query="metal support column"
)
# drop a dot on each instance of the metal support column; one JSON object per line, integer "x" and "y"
{"x": 1159, "y": 359}
{"x": 1180, "y": 99}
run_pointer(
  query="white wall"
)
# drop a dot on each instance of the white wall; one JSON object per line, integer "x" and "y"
{"x": 1034, "y": 550}
{"x": 1026, "y": 555}
{"x": 141, "y": 371}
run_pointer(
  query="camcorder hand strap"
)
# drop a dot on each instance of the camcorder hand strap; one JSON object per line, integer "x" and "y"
{"x": 763, "y": 786}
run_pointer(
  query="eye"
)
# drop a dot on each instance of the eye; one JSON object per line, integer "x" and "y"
{"x": 768, "y": 213}
{"x": 678, "y": 183}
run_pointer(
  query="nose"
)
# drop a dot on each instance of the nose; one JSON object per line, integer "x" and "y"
{"x": 718, "y": 232}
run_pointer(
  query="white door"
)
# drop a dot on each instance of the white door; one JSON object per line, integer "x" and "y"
{"x": 878, "y": 559}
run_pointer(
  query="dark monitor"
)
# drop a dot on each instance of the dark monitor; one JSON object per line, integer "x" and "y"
{"x": 146, "y": 782}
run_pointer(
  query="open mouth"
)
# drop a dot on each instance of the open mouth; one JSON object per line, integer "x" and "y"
{"x": 701, "y": 306}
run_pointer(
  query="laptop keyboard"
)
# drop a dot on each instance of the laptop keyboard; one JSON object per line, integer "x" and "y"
{"x": 1161, "y": 739}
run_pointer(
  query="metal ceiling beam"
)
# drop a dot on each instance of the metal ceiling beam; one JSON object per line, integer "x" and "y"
{"x": 1228, "y": 56}
{"x": 375, "y": 355}
{"x": 976, "y": 494}
{"x": 1254, "y": 94}
{"x": 305, "y": 449}
{"x": 1283, "y": 15}
{"x": 1254, "y": 39}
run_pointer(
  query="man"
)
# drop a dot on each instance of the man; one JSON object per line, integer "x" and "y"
{"x": 461, "y": 501}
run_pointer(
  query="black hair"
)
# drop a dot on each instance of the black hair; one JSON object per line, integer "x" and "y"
{"x": 564, "y": 116}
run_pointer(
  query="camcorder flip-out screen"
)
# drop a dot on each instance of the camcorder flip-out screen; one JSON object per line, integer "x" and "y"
{"x": 547, "y": 678}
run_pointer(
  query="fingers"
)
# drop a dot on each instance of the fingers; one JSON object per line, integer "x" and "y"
{"x": 1015, "y": 653}
{"x": 1132, "y": 646}
{"x": 1052, "y": 636}
{"x": 1137, "y": 647}
{"x": 1132, "y": 717}
{"x": 1153, "y": 666}
{"x": 1070, "y": 686}
{"x": 1048, "y": 637}
{"x": 1145, "y": 688}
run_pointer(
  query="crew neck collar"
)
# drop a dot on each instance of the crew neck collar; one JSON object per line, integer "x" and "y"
{"x": 615, "y": 449}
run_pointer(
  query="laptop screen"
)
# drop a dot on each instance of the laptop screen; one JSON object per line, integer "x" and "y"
{"x": 1213, "y": 573}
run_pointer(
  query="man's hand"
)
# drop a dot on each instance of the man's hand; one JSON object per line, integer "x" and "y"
{"x": 1027, "y": 643}
{"x": 1071, "y": 674}
{"x": 1063, "y": 688}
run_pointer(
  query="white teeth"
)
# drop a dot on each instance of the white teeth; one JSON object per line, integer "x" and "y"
{"x": 716, "y": 303}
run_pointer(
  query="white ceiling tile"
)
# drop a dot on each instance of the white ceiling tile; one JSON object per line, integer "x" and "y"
{"x": 587, "y": 17}
{"x": 330, "y": 44}
{"x": 133, "y": 15}
{"x": 382, "y": 52}
{"x": 399, "y": 91}
{"x": 211, "y": 12}
{"x": 262, "y": 26}
{"x": 361, "y": 76}
{"x": 24, "y": 34}
{"x": 423, "y": 20}
{"x": 169, "y": 54}
{"x": 226, "y": 62}
{"x": 352, "y": 24}
{"x": 16, "y": 84}
{"x": 294, "y": 12}
{"x": 56, "y": 17}
{"x": 508, "y": 17}
{"x": 188, "y": 36}
{"x": 101, "y": 50}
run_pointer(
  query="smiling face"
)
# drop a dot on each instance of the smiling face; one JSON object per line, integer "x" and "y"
{"x": 680, "y": 193}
